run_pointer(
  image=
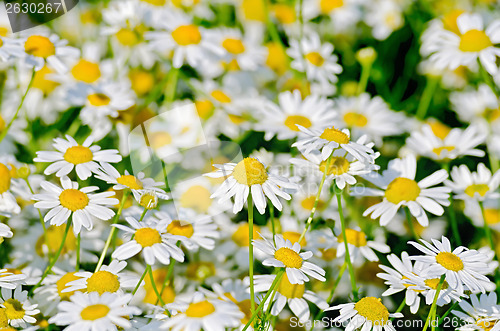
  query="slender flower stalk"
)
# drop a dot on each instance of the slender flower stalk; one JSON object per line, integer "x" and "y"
{"x": 434, "y": 302}
{"x": 410, "y": 223}
{"x": 250, "y": 253}
{"x": 139, "y": 282}
{"x": 426, "y": 98}
{"x": 45, "y": 238}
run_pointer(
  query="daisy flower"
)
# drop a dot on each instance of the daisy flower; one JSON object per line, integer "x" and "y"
{"x": 52, "y": 50}
{"x": 330, "y": 139}
{"x": 482, "y": 313}
{"x": 18, "y": 309}
{"x": 110, "y": 175}
{"x": 285, "y": 255}
{"x": 464, "y": 268}
{"x": 109, "y": 278}
{"x": 479, "y": 106}
{"x": 314, "y": 58}
{"x": 343, "y": 14}
{"x": 71, "y": 155}
{"x": 194, "y": 231}
{"x": 359, "y": 246}
{"x": 399, "y": 188}
{"x": 80, "y": 204}
{"x": 10, "y": 280}
{"x": 366, "y": 314}
{"x": 196, "y": 312}
{"x": 8, "y": 203}
{"x": 472, "y": 42}
{"x": 281, "y": 119}
{"x": 91, "y": 311}
{"x": 480, "y": 185}
{"x": 236, "y": 291}
{"x": 250, "y": 176}
{"x": 364, "y": 115}
{"x": 342, "y": 167}
{"x": 149, "y": 237}
{"x": 295, "y": 295}
{"x": 457, "y": 143}
{"x": 384, "y": 17}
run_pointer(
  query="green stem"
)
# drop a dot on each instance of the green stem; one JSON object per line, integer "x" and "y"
{"x": 54, "y": 260}
{"x": 45, "y": 238}
{"x": 78, "y": 241}
{"x": 171, "y": 85}
{"x": 313, "y": 210}
{"x": 250, "y": 252}
{"x": 365, "y": 75}
{"x": 140, "y": 281}
{"x": 338, "y": 193}
{"x": 273, "y": 31}
{"x": 6, "y": 130}
{"x": 261, "y": 305}
{"x": 112, "y": 232}
{"x": 410, "y": 223}
{"x": 441, "y": 319}
{"x": 169, "y": 274}
{"x": 426, "y": 98}
{"x": 143, "y": 214}
{"x": 153, "y": 284}
{"x": 487, "y": 230}
{"x": 434, "y": 302}
{"x": 400, "y": 308}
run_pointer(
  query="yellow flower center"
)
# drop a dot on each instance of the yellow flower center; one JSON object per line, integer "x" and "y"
{"x": 315, "y": 58}
{"x": 103, "y": 281}
{"x": 149, "y": 200}
{"x": 186, "y": 35}
{"x": 294, "y": 237}
{"x": 127, "y": 37}
{"x": 338, "y": 166}
{"x": 277, "y": 59}
{"x": 250, "y": 172}
{"x": 147, "y": 237}
{"x": 200, "y": 271}
{"x": 434, "y": 283}
{"x": 449, "y": 261}
{"x": 328, "y": 254}
{"x": 39, "y": 46}
{"x": 205, "y": 108}
{"x": 439, "y": 150}
{"x": 86, "y": 71}
{"x": 290, "y": 290}
{"x": 354, "y": 237}
{"x": 14, "y": 309}
{"x": 289, "y": 257}
{"x": 240, "y": 236}
{"x": 54, "y": 238}
{"x": 180, "y": 228}
{"x": 254, "y": 10}
{"x": 284, "y": 14}
{"x": 41, "y": 82}
{"x": 439, "y": 129}
{"x": 73, "y": 199}
{"x": 94, "y": 312}
{"x": 480, "y": 189}
{"x": 491, "y": 115}
{"x": 2, "y": 123}
{"x": 158, "y": 3}
{"x": 492, "y": 216}
{"x": 450, "y": 20}
{"x": 200, "y": 309}
{"x": 486, "y": 324}
{"x": 98, "y": 99}
{"x": 402, "y": 189}
{"x": 233, "y": 46}
{"x": 332, "y": 134}
{"x": 292, "y": 121}
{"x": 4, "y": 178}
{"x": 78, "y": 154}
{"x": 61, "y": 285}
{"x": 196, "y": 197}
{"x": 474, "y": 41}
{"x": 308, "y": 203}
{"x": 373, "y": 310}
{"x": 130, "y": 181}
{"x": 353, "y": 119}
{"x": 327, "y": 6}
{"x": 4, "y": 320}
{"x": 182, "y": 3}
{"x": 160, "y": 139}
{"x": 142, "y": 81}
{"x": 220, "y": 96}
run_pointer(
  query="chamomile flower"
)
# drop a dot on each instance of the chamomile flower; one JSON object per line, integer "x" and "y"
{"x": 478, "y": 185}
{"x": 385, "y": 17}
{"x": 295, "y": 295}
{"x": 457, "y": 143}
{"x": 285, "y": 255}
{"x": 111, "y": 279}
{"x": 366, "y": 314}
{"x": 41, "y": 49}
{"x": 197, "y": 312}
{"x": 399, "y": 188}
{"x": 110, "y": 175}
{"x": 282, "y": 118}
{"x": 91, "y": 311}
{"x": 8, "y": 203}
{"x": 19, "y": 311}
{"x": 250, "y": 176}
{"x": 359, "y": 246}
{"x": 10, "y": 280}
{"x": 82, "y": 205}
{"x": 331, "y": 139}
{"x": 314, "y": 58}
{"x": 71, "y": 155}
{"x": 482, "y": 313}
{"x": 149, "y": 237}
{"x": 476, "y": 106}
{"x": 464, "y": 268}
{"x": 241, "y": 52}
{"x": 344, "y": 14}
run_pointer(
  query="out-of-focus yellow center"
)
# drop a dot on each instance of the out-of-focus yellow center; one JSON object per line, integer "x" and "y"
{"x": 86, "y": 71}
{"x": 142, "y": 81}
{"x": 180, "y": 228}
{"x": 308, "y": 203}
{"x": 294, "y": 237}
{"x": 240, "y": 236}
{"x": 326, "y": 6}
{"x": 98, "y": 99}
{"x": 439, "y": 150}
{"x": 205, "y": 108}
{"x": 233, "y": 46}
{"x": 54, "y": 238}
{"x": 353, "y": 119}
{"x": 474, "y": 41}
{"x": 290, "y": 290}
{"x": 39, "y": 46}
{"x": 186, "y": 35}
{"x": 41, "y": 82}
{"x": 354, "y": 237}
{"x": 200, "y": 309}
{"x": 450, "y": 20}
{"x": 196, "y": 197}
{"x": 130, "y": 181}
{"x": 315, "y": 59}
{"x": 220, "y": 96}
{"x": 292, "y": 121}
{"x": 492, "y": 216}
{"x": 94, "y": 312}
{"x": 284, "y": 14}
{"x": 254, "y": 10}
{"x": 480, "y": 189}
{"x": 127, "y": 37}
{"x": 61, "y": 285}
{"x": 4, "y": 178}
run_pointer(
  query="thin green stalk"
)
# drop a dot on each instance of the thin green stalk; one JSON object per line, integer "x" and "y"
{"x": 153, "y": 284}
{"x": 45, "y": 238}
{"x": 54, "y": 260}
{"x": 400, "y": 308}
{"x": 140, "y": 281}
{"x": 143, "y": 214}
{"x": 78, "y": 241}
{"x": 410, "y": 223}
{"x": 6, "y": 130}
{"x": 171, "y": 85}
{"x": 273, "y": 31}
{"x": 112, "y": 232}
{"x": 434, "y": 302}
{"x": 170, "y": 272}
{"x": 441, "y": 319}
{"x": 426, "y": 98}
{"x": 487, "y": 230}
{"x": 338, "y": 193}
{"x": 250, "y": 252}
{"x": 261, "y": 305}
{"x": 313, "y": 210}
{"x": 365, "y": 75}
